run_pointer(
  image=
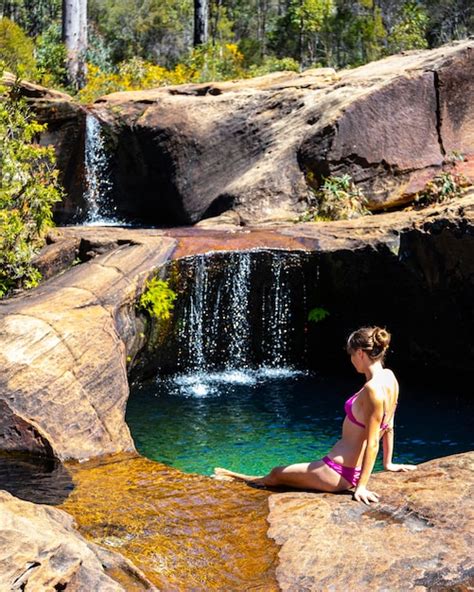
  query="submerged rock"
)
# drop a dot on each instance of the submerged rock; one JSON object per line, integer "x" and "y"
{"x": 252, "y": 146}
{"x": 42, "y": 551}
{"x": 418, "y": 537}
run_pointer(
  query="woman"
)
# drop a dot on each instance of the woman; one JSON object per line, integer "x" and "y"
{"x": 369, "y": 417}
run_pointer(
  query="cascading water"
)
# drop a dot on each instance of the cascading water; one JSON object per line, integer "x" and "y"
{"x": 238, "y": 324}
{"x": 98, "y": 201}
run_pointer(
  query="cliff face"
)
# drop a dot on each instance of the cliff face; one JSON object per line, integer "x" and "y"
{"x": 194, "y": 151}
{"x": 179, "y": 154}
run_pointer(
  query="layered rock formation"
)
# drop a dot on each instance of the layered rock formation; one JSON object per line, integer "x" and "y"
{"x": 419, "y": 537}
{"x": 64, "y": 382}
{"x": 189, "y": 152}
{"x": 41, "y": 551}
{"x": 64, "y": 346}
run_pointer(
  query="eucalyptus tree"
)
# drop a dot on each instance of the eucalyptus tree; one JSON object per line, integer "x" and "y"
{"x": 201, "y": 22}
{"x": 74, "y": 34}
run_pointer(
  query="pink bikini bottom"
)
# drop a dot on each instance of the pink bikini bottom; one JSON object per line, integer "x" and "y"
{"x": 351, "y": 474}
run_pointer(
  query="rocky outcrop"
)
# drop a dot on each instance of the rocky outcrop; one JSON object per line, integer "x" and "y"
{"x": 194, "y": 151}
{"x": 42, "y": 551}
{"x": 418, "y": 537}
{"x": 65, "y": 346}
{"x": 65, "y": 120}
{"x": 63, "y": 379}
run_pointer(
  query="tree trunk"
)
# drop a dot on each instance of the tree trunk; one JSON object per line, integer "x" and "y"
{"x": 201, "y": 20}
{"x": 75, "y": 40}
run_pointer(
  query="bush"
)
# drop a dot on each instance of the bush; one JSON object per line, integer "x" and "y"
{"x": 28, "y": 190}
{"x": 337, "y": 199}
{"x": 51, "y": 57}
{"x": 273, "y": 64}
{"x": 442, "y": 187}
{"x": 157, "y": 299}
{"x": 16, "y": 49}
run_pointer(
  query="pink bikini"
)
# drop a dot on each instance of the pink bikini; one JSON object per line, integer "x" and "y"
{"x": 350, "y": 474}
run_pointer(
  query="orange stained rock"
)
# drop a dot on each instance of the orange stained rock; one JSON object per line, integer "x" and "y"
{"x": 185, "y": 532}
{"x": 194, "y": 241}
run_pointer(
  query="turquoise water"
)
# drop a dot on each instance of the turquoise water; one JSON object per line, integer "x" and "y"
{"x": 250, "y": 421}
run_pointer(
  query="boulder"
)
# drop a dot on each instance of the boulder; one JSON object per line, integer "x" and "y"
{"x": 42, "y": 551}
{"x": 254, "y": 146}
{"x": 418, "y": 537}
{"x": 63, "y": 383}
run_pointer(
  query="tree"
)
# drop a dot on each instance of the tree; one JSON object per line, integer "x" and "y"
{"x": 74, "y": 35}
{"x": 201, "y": 22}
{"x": 28, "y": 190}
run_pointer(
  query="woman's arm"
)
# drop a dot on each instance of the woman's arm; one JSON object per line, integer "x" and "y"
{"x": 387, "y": 441}
{"x": 388, "y": 445}
{"x": 374, "y": 408}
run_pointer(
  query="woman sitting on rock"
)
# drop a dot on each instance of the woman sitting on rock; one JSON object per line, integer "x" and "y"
{"x": 369, "y": 417}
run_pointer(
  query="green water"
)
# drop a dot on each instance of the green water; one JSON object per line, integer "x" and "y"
{"x": 251, "y": 421}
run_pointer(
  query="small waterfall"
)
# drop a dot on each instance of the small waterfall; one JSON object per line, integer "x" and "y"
{"x": 239, "y": 285}
{"x": 99, "y": 207}
{"x": 279, "y": 327}
{"x": 239, "y": 312}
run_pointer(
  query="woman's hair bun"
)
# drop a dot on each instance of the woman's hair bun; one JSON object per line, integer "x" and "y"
{"x": 381, "y": 337}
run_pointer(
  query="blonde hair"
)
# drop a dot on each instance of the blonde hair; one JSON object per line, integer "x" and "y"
{"x": 373, "y": 340}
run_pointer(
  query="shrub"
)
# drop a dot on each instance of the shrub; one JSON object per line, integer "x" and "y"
{"x": 157, "y": 299}
{"x": 317, "y": 314}
{"x": 273, "y": 64}
{"x": 336, "y": 199}
{"x": 16, "y": 49}
{"x": 51, "y": 57}
{"x": 220, "y": 61}
{"x": 28, "y": 189}
{"x": 442, "y": 187}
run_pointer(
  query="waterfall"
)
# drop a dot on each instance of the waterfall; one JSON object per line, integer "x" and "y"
{"x": 239, "y": 310}
{"x": 239, "y": 285}
{"x": 97, "y": 196}
{"x": 279, "y": 328}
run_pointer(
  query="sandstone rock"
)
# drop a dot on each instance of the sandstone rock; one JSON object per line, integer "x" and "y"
{"x": 419, "y": 537}
{"x": 65, "y": 119}
{"x": 63, "y": 382}
{"x": 41, "y": 551}
{"x": 64, "y": 345}
{"x": 194, "y": 151}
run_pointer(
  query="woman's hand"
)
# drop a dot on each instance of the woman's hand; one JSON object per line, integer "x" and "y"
{"x": 399, "y": 468}
{"x": 362, "y": 494}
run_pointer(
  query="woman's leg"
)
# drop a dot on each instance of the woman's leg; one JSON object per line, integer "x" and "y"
{"x": 315, "y": 475}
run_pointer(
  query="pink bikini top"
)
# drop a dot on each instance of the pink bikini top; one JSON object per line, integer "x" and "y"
{"x": 350, "y": 415}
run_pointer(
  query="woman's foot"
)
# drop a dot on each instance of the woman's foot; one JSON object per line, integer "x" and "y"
{"x": 226, "y": 475}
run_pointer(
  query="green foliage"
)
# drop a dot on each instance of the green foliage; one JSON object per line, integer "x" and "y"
{"x": 157, "y": 299}
{"x": 410, "y": 30}
{"x": 317, "y": 314}
{"x": 337, "y": 199}
{"x": 28, "y": 190}
{"x": 51, "y": 57}
{"x": 220, "y": 61}
{"x": 272, "y": 64}
{"x": 443, "y": 187}
{"x": 16, "y": 49}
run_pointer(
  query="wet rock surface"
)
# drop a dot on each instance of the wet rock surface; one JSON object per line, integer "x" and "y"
{"x": 183, "y": 531}
{"x": 418, "y": 537}
{"x": 42, "y": 551}
{"x": 195, "y": 151}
